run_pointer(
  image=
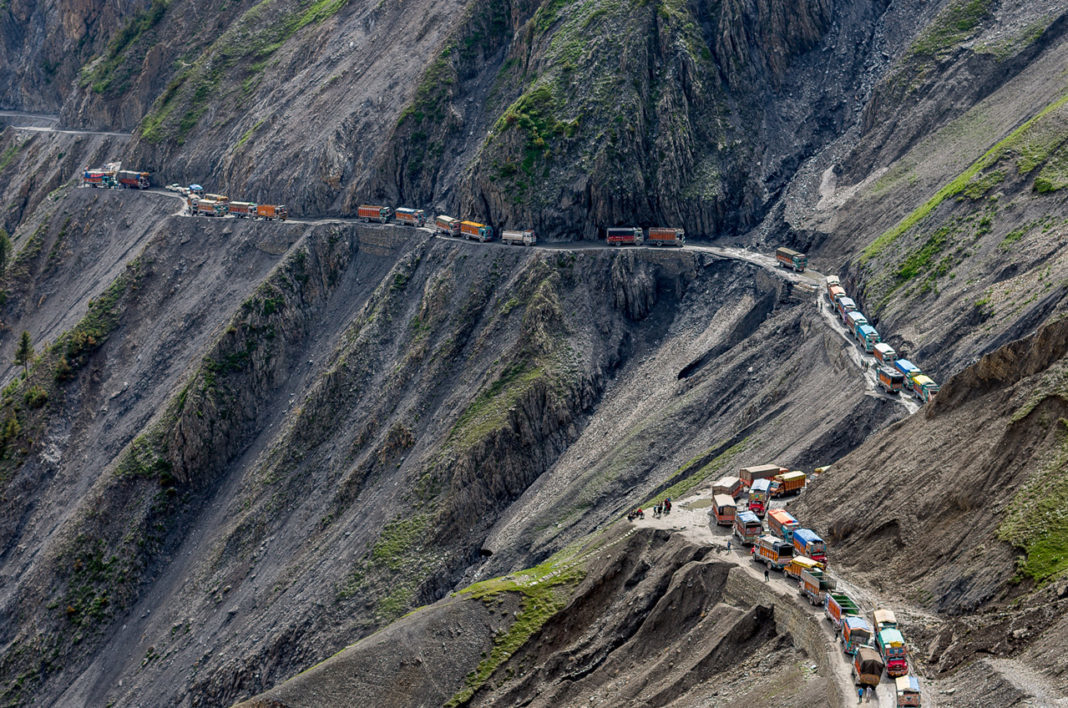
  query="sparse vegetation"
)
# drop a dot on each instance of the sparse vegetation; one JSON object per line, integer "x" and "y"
{"x": 545, "y": 589}
{"x": 1037, "y": 518}
{"x": 116, "y": 67}
{"x": 1016, "y": 140}
{"x": 956, "y": 23}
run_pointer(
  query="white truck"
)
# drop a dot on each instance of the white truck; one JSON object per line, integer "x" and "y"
{"x": 519, "y": 238}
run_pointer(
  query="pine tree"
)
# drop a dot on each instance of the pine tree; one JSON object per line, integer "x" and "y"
{"x": 24, "y": 353}
{"x": 5, "y": 249}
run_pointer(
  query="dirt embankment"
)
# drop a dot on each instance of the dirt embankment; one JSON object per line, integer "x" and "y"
{"x": 655, "y": 621}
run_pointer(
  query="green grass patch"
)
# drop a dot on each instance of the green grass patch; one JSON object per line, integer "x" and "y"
{"x": 489, "y": 411}
{"x": 9, "y": 154}
{"x": 545, "y": 590}
{"x": 960, "y": 183}
{"x": 1053, "y": 176}
{"x": 982, "y": 183}
{"x": 1036, "y": 520}
{"x": 117, "y": 65}
{"x": 100, "y": 320}
{"x": 952, "y": 26}
{"x": 248, "y": 134}
{"x": 398, "y": 539}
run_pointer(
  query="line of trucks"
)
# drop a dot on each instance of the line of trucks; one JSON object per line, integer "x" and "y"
{"x": 893, "y": 374}
{"x": 112, "y": 176}
{"x": 801, "y": 555}
{"x": 200, "y": 203}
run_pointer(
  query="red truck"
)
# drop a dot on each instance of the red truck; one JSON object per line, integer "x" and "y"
{"x": 369, "y": 212}
{"x": 270, "y": 212}
{"x": 133, "y": 180}
{"x": 662, "y": 236}
{"x": 623, "y": 236}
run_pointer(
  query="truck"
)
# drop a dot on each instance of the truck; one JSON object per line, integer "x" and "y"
{"x": 747, "y": 527}
{"x": 758, "y": 496}
{"x": 221, "y": 198}
{"x": 129, "y": 179}
{"x": 371, "y": 212}
{"x": 845, "y": 305}
{"x": 868, "y": 337}
{"x": 623, "y": 236}
{"x": 270, "y": 212}
{"x": 783, "y": 524}
{"x": 773, "y": 552}
{"x": 837, "y": 606}
{"x": 798, "y": 564}
{"x": 867, "y": 667}
{"x": 854, "y": 321}
{"x": 891, "y": 646}
{"x": 807, "y": 543}
{"x": 924, "y": 388}
{"x": 410, "y": 217}
{"x": 474, "y": 231}
{"x": 196, "y": 189}
{"x": 519, "y": 238}
{"x": 832, "y": 280}
{"x": 663, "y": 236}
{"x": 749, "y": 475}
{"x": 856, "y": 633}
{"x": 789, "y": 258}
{"x": 99, "y": 179}
{"x": 889, "y": 379}
{"x": 882, "y": 618}
{"x": 727, "y": 485}
{"x": 834, "y": 292}
{"x": 723, "y": 509}
{"x": 446, "y": 225}
{"x": 907, "y": 368}
{"x": 789, "y": 483}
{"x": 884, "y": 353}
{"x": 908, "y": 691}
{"x": 242, "y": 210}
{"x": 209, "y": 207}
{"x": 814, "y": 585}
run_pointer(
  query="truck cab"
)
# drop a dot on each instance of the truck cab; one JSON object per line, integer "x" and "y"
{"x": 807, "y": 543}
{"x": 867, "y": 336}
{"x": 891, "y": 645}
{"x": 924, "y": 388}
{"x": 758, "y": 496}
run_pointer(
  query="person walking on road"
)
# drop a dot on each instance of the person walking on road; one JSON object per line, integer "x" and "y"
{"x": 728, "y": 545}
{"x": 767, "y": 575}
{"x": 860, "y": 694}
{"x": 868, "y": 694}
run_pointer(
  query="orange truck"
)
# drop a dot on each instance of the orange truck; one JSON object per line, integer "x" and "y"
{"x": 475, "y": 231}
{"x": 447, "y": 225}
{"x": 370, "y": 212}
{"x": 410, "y": 217}
{"x": 663, "y": 236}
{"x": 789, "y": 483}
{"x": 723, "y": 508}
{"x": 272, "y": 212}
{"x": 727, "y": 485}
{"x": 242, "y": 210}
{"x": 783, "y": 524}
{"x": 773, "y": 552}
{"x": 750, "y": 474}
{"x": 210, "y": 207}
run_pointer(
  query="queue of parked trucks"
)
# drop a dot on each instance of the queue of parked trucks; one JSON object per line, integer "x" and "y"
{"x": 893, "y": 374}
{"x": 800, "y": 554}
